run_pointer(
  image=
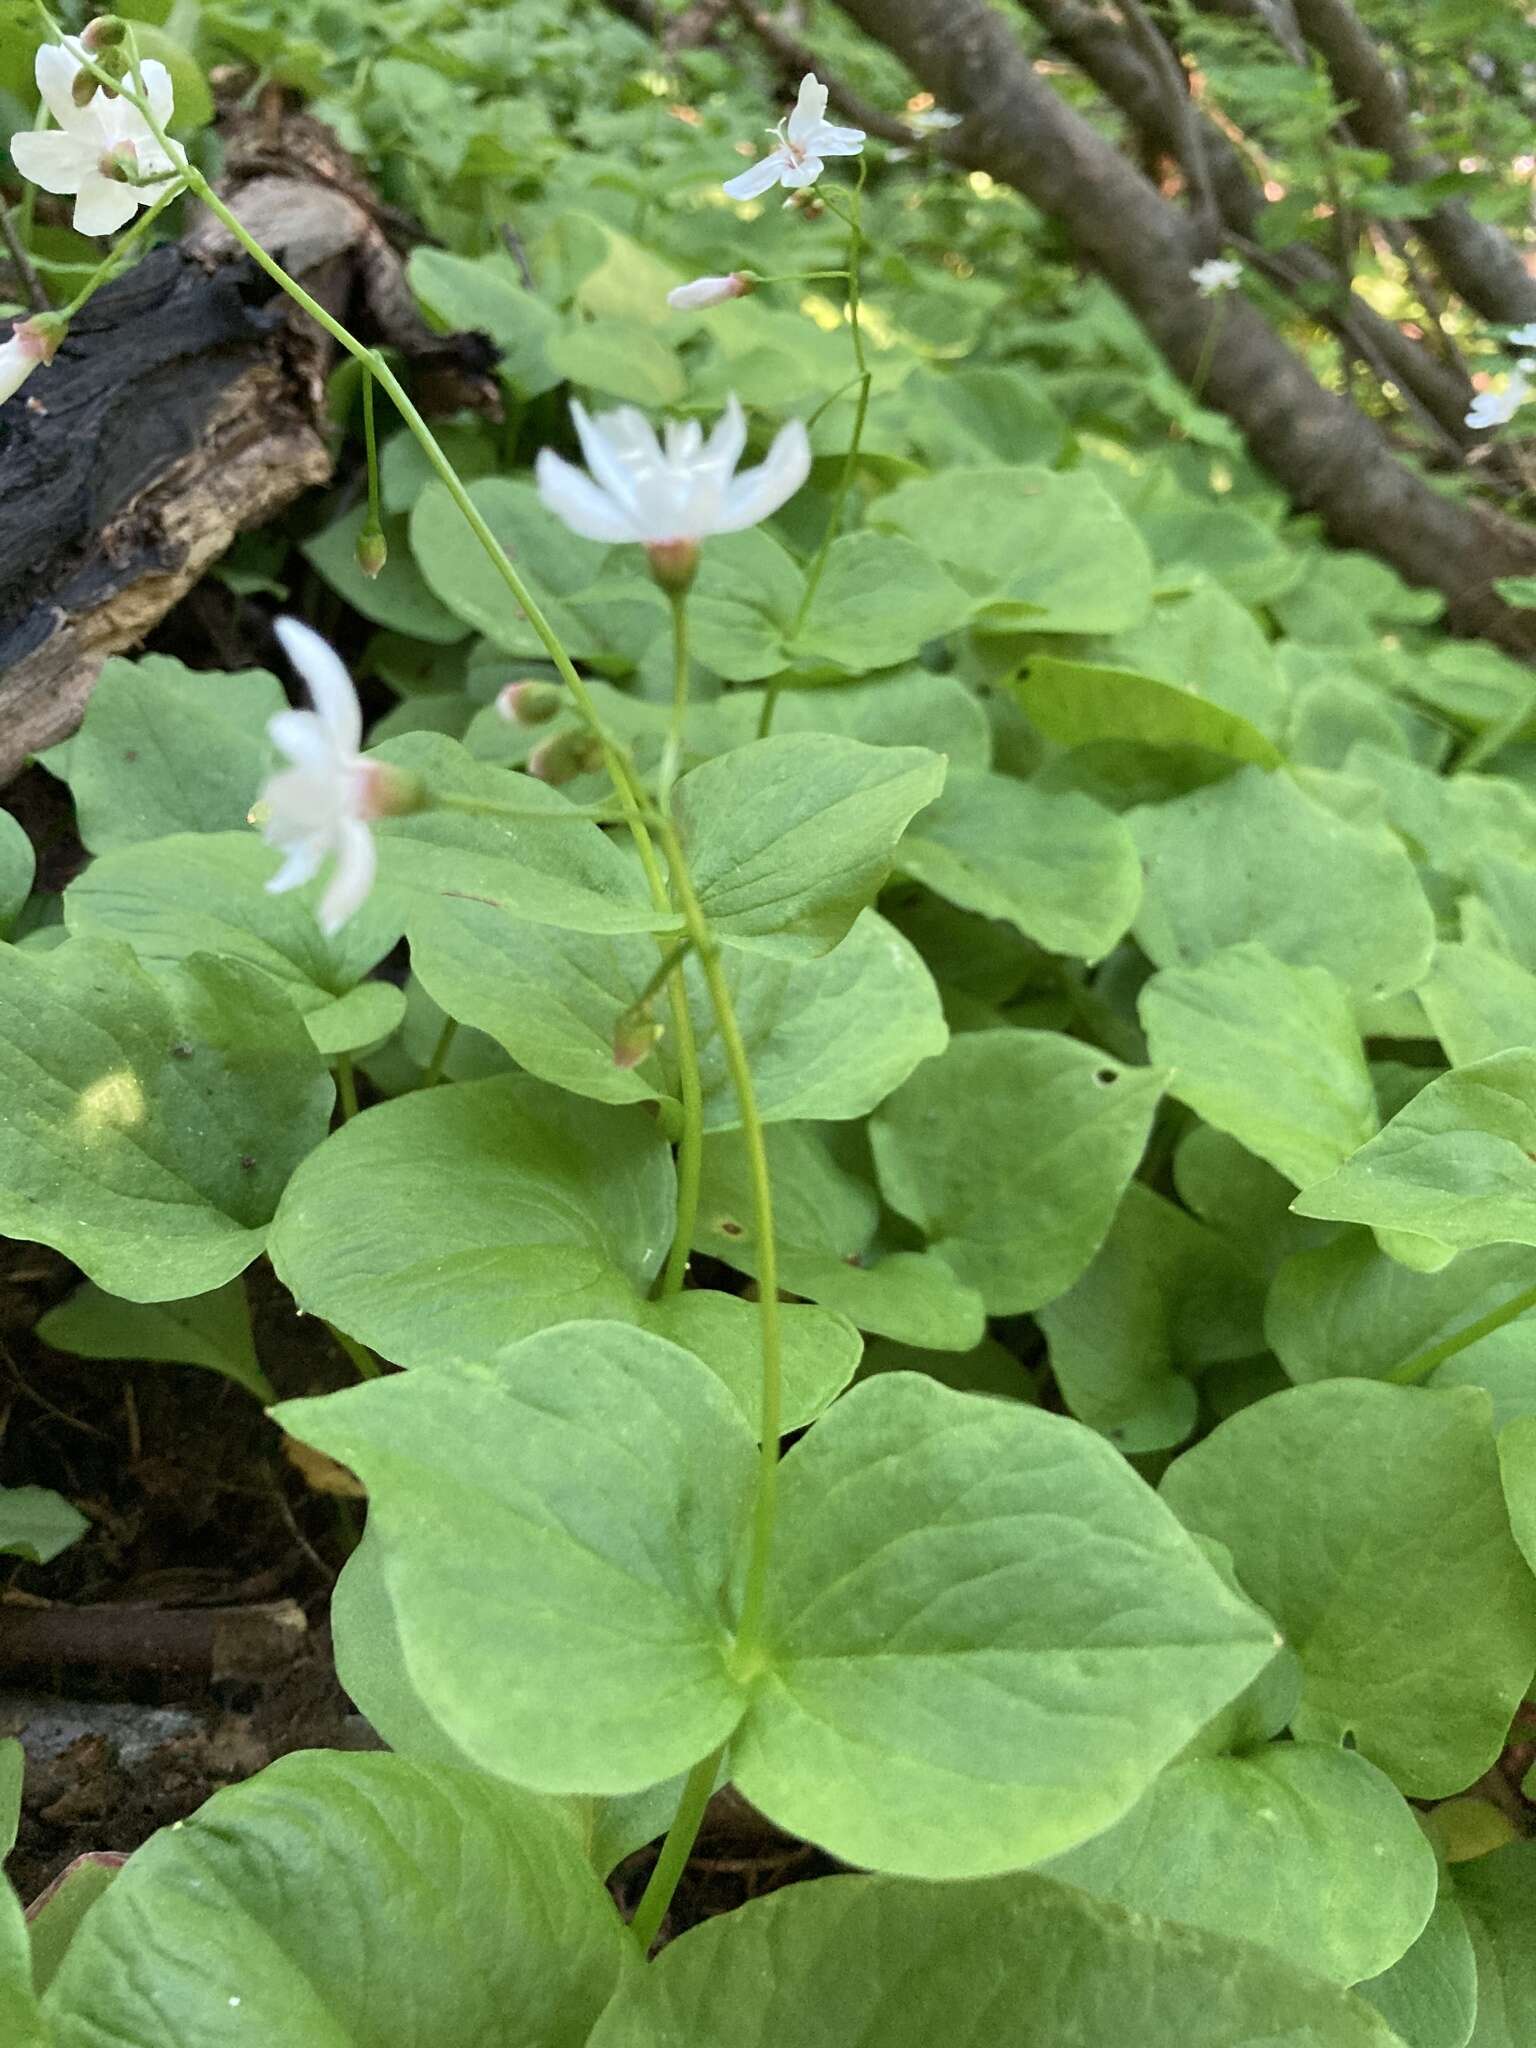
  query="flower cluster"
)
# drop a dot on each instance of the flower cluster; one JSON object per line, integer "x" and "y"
{"x": 1217, "y": 275}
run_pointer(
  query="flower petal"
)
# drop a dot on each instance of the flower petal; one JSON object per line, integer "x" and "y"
{"x": 621, "y": 450}
{"x": 765, "y": 173}
{"x": 304, "y": 738}
{"x": 54, "y": 160}
{"x": 810, "y": 110}
{"x": 103, "y": 206}
{"x": 301, "y": 866}
{"x": 727, "y": 441}
{"x": 572, "y": 496}
{"x": 832, "y": 141}
{"x": 357, "y": 862}
{"x": 159, "y": 91}
{"x": 795, "y": 176}
{"x": 54, "y": 69}
{"x": 757, "y": 493}
{"x": 325, "y": 676}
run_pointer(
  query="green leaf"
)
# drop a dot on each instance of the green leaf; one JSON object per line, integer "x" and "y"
{"x": 1010, "y": 1153}
{"x": 907, "y": 707}
{"x": 1041, "y": 551}
{"x": 56, "y": 1918}
{"x": 1494, "y": 1892}
{"x": 828, "y": 1038}
{"x": 1478, "y": 1002}
{"x": 1308, "y": 1851}
{"x": 1013, "y": 1963}
{"x": 1391, "y": 1568}
{"x": 153, "y": 1120}
{"x": 37, "y": 1524}
{"x": 1205, "y": 642}
{"x": 879, "y": 600}
{"x": 1059, "y": 868}
{"x": 399, "y": 597}
{"x": 743, "y": 605}
{"x": 1455, "y": 1169}
{"x": 1267, "y": 1052}
{"x": 831, "y": 1248}
{"x": 163, "y": 748}
{"x": 1163, "y": 1297}
{"x": 546, "y": 863}
{"x": 820, "y": 1350}
{"x": 1517, "y": 1465}
{"x": 13, "y": 1766}
{"x": 486, "y": 294}
{"x": 569, "y": 1638}
{"x": 207, "y": 893}
{"x": 1430, "y": 1994}
{"x": 462, "y": 576}
{"x": 1075, "y": 703}
{"x": 212, "y": 1329}
{"x": 789, "y": 838}
{"x": 543, "y": 1207}
{"x": 1244, "y": 1201}
{"x": 257, "y": 1920}
{"x": 1253, "y": 857}
{"x": 962, "y": 1589}
{"x": 619, "y": 358}
{"x": 18, "y": 865}
{"x": 1346, "y": 1311}
{"x": 20, "y": 2017}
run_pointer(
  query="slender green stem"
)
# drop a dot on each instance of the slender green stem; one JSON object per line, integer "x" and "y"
{"x": 1208, "y": 349}
{"x": 368, "y": 1367}
{"x": 375, "y": 518}
{"x": 1424, "y": 1362}
{"x": 1493, "y": 739}
{"x": 434, "y": 1067}
{"x": 525, "y": 814}
{"x": 765, "y": 1504}
{"x": 675, "y": 1850}
{"x": 346, "y": 1086}
{"x": 690, "y": 1144}
{"x": 113, "y": 261}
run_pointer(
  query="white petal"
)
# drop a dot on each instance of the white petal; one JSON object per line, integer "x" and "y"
{"x": 759, "y": 492}
{"x": 797, "y": 175}
{"x": 357, "y": 862}
{"x": 574, "y": 498}
{"x": 831, "y": 141}
{"x": 54, "y": 69}
{"x": 325, "y": 676}
{"x": 301, "y": 866}
{"x": 302, "y": 804}
{"x": 103, "y": 205}
{"x": 765, "y": 173}
{"x": 810, "y": 110}
{"x": 304, "y": 738}
{"x": 16, "y": 366}
{"x": 54, "y": 160}
{"x": 728, "y": 440}
{"x": 621, "y": 449}
{"x": 1523, "y": 337}
{"x": 159, "y": 91}
{"x": 703, "y": 291}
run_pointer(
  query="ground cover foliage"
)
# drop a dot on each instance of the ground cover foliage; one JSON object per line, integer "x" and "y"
{"x": 1072, "y": 933}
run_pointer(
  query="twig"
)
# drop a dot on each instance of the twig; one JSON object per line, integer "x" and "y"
{"x": 1185, "y": 116}
{"x": 31, "y": 283}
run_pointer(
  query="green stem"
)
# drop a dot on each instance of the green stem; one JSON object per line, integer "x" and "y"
{"x": 675, "y": 1850}
{"x": 1424, "y": 1362}
{"x": 375, "y": 520}
{"x": 1493, "y": 739}
{"x": 434, "y": 1068}
{"x": 113, "y": 261}
{"x": 368, "y": 1367}
{"x": 487, "y": 807}
{"x": 690, "y": 1145}
{"x": 1208, "y": 349}
{"x": 765, "y": 1504}
{"x": 346, "y": 1086}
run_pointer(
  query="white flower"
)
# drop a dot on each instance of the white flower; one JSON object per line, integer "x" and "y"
{"x": 804, "y": 140}
{"x": 1217, "y": 275}
{"x": 932, "y": 121}
{"x": 1523, "y": 337}
{"x": 104, "y": 132}
{"x": 31, "y": 342}
{"x": 679, "y": 492}
{"x": 1498, "y": 408}
{"x": 320, "y": 807}
{"x": 708, "y": 291}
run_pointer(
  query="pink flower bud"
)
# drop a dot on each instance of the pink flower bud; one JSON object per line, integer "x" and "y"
{"x": 372, "y": 551}
{"x": 635, "y": 1037}
{"x": 710, "y": 291}
{"x": 39, "y": 337}
{"x": 387, "y": 792}
{"x": 563, "y": 756}
{"x": 529, "y": 702}
{"x": 674, "y": 564}
{"x": 104, "y": 33}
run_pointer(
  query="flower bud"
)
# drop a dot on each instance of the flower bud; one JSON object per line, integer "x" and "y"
{"x": 120, "y": 164}
{"x": 565, "y": 755}
{"x": 385, "y": 791}
{"x": 104, "y": 33}
{"x": 372, "y": 551}
{"x": 635, "y": 1036}
{"x": 710, "y": 291}
{"x": 31, "y": 342}
{"x": 674, "y": 564}
{"x": 529, "y": 702}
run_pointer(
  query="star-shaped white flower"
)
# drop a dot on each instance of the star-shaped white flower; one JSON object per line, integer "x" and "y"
{"x": 805, "y": 139}
{"x": 104, "y": 132}
{"x": 1498, "y": 408}
{"x": 1216, "y": 275}
{"x": 319, "y": 808}
{"x": 671, "y": 493}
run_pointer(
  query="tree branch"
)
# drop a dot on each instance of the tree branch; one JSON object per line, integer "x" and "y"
{"x": 795, "y": 59}
{"x": 1324, "y": 451}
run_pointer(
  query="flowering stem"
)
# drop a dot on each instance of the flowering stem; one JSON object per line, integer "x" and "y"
{"x": 113, "y": 261}
{"x": 487, "y": 807}
{"x": 434, "y": 1068}
{"x": 1418, "y": 1368}
{"x": 346, "y": 1086}
{"x": 1208, "y": 349}
{"x": 690, "y": 1144}
{"x": 765, "y": 1504}
{"x": 375, "y": 522}
{"x": 675, "y": 1850}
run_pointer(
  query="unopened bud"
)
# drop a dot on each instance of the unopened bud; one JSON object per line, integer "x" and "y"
{"x": 674, "y": 564}
{"x": 390, "y": 792}
{"x": 563, "y": 756}
{"x": 120, "y": 164}
{"x": 39, "y": 337}
{"x": 529, "y": 702}
{"x": 83, "y": 88}
{"x": 635, "y": 1036}
{"x": 806, "y": 202}
{"x": 711, "y": 291}
{"x": 372, "y": 551}
{"x": 104, "y": 33}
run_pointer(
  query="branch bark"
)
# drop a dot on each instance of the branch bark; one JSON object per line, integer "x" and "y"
{"x": 1325, "y": 452}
